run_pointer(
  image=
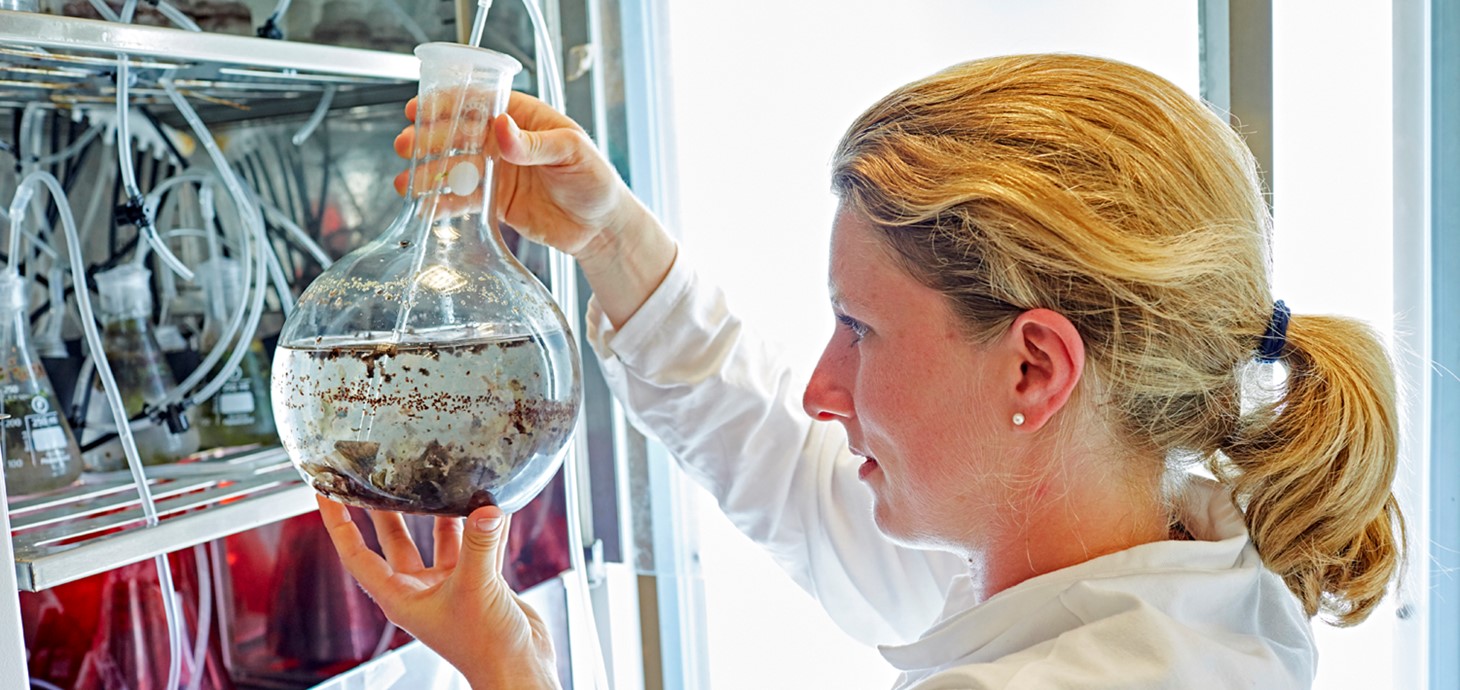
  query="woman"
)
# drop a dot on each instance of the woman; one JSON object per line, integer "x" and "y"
{"x": 1050, "y": 278}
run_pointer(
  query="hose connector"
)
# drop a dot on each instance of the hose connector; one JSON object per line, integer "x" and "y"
{"x": 133, "y": 212}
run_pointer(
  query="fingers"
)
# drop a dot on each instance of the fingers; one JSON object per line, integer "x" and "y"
{"x": 480, "y": 558}
{"x": 411, "y": 109}
{"x": 535, "y": 115}
{"x": 405, "y": 142}
{"x": 561, "y": 146}
{"x": 448, "y": 542}
{"x": 395, "y": 540}
{"x": 367, "y": 567}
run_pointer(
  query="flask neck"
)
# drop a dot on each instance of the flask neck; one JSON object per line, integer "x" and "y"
{"x": 462, "y": 90}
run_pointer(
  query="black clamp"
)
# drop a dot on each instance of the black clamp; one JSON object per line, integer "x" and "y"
{"x": 270, "y": 30}
{"x": 134, "y": 212}
{"x": 173, "y": 416}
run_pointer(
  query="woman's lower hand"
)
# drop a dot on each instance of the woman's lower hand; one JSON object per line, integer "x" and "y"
{"x": 460, "y": 606}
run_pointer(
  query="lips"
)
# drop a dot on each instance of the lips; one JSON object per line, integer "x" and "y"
{"x": 868, "y": 467}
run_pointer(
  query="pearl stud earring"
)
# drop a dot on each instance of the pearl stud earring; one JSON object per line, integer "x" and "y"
{"x": 1018, "y": 419}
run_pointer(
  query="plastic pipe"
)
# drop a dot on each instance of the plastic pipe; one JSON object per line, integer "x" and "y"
{"x": 73, "y": 149}
{"x": 129, "y": 175}
{"x": 230, "y": 332}
{"x": 177, "y": 17}
{"x": 119, "y": 414}
{"x": 49, "y": 342}
{"x": 315, "y": 252}
{"x": 253, "y": 221}
{"x": 410, "y": 25}
{"x": 105, "y": 11}
{"x": 205, "y": 617}
{"x": 479, "y": 23}
{"x": 317, "y": 116}
{"x": 548, "y": 73}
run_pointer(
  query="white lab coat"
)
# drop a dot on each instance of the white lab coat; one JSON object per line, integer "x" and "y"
{"x": 1171, "y": 614}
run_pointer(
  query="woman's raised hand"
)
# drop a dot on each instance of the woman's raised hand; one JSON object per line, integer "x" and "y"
{"x": 460, "y": 606}
{"x": 552, "y": 184}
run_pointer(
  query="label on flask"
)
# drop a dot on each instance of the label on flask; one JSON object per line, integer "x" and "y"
{"x": 234, "y": 404}
{"x": 44, "y": 437}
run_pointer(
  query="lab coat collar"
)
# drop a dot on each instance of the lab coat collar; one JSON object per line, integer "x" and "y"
{"x": 1034, "y": 611}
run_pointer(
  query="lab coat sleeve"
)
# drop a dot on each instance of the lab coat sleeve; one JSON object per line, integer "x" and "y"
{"x": 690, "y": 374}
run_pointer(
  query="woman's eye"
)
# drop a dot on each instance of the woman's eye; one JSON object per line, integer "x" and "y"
{"x": 858, "y": 329}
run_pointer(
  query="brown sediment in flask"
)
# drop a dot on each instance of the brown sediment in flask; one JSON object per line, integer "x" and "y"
{"x": 428, "y": 371}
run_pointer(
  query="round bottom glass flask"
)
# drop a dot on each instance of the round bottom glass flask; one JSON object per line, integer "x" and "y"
{"x": 428, "y": 371}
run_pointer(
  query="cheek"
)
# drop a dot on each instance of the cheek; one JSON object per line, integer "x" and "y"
{"x": 934, "y": 408}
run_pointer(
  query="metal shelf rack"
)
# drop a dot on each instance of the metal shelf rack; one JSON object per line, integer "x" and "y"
{"x": 99, "y": 525}
{"x": 67, "y": 63}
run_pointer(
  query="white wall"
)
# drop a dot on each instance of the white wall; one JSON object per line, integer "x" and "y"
{"x": 764, "y": 88}
{"x": 1333, "y": 206}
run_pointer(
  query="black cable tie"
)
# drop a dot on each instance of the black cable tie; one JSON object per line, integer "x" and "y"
{"x": 134, "y": 212}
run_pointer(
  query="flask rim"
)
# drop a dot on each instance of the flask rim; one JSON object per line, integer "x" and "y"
{"x": 478, "y": 58}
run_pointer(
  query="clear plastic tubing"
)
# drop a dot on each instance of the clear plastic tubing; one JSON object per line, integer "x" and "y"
{"x": 479, "y": 23}
{"x": 119, "y": 412}
{"x": 252, "y": 220}
{"x": 317, "y": 116}
{"x": 129, "y": 175}
{"x": 232, "y": 329}
{"x": 315, "y": 251}
{"x": 205, "y": 616}
{"x": 176, "y": 16}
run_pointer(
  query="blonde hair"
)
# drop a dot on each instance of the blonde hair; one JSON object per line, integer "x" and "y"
{"x": 1104, "y": 192}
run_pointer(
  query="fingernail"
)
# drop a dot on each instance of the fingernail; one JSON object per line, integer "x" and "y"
{"x": 512, "y": 127}
{"x": 487, "y": 524}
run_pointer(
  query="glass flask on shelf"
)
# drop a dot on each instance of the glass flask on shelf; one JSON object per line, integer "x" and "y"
{"x": 40, "y": 452}
{"x": 239, "y": 414}
{"x": 295, "y": 616}
{"x": 124, "y": 306}
{"x": 109, "y": 631}
{"x": 428, "y": 371}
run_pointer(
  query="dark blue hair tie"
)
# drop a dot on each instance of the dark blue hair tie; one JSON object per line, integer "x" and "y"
{"x": 1276, "y": 336}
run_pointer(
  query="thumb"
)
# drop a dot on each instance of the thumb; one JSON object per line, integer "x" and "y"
{"x": 484, "y": 539}
{"x": 560, "y": 146}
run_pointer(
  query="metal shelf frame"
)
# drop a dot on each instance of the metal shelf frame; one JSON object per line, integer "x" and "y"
{"x": 169, "y": 47}
{"x": 64, "y": 62}
{"x": 96, "y": 527}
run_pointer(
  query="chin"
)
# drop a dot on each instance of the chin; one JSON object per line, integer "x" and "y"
{"x": 905, "y": 528}
{"x": 894, "y": 529}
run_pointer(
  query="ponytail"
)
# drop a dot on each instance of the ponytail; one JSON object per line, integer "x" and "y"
{"x": 1313, "y": 471}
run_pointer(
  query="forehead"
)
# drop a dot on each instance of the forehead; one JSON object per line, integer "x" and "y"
{"x": 857, "y": 258}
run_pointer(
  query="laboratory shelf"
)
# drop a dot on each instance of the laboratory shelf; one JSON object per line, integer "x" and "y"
{"x": 67, "y": 62}
{"x": 99, "y": 525}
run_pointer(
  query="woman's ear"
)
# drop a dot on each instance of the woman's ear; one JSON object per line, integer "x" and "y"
{"x": 1051, "y": 358}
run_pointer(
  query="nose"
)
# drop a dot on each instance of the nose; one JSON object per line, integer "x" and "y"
{"x": 828, "y": 395}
